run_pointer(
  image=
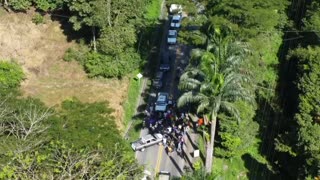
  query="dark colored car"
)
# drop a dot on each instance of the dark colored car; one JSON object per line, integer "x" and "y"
{"x": 165, "y": 57}
{"x": 164, "y": 67}
{"x": 158, "y": 80}
{"x": 157, "y": 83}
{"x": 165, "y": 61}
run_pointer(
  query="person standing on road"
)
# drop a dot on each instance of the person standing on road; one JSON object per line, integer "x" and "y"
{"x": 164, "y": 141}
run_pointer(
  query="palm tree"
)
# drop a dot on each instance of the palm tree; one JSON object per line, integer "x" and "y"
{"x": 214, "y": 81}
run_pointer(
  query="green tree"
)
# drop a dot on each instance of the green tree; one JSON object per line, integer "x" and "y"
{"x": 48, "y": 5}
{"x": 85, "y": 124}
{"x": 305, "y": 135}
{"x": 20, "y": 5}
{"x": 215, "y": 81}
{"x": 11, "y": 74}
{"x": 237, "y": 137}
{"x": 58, "y": 160}
{"x": 115, "y": 25}
{"x": 312, "y": 19}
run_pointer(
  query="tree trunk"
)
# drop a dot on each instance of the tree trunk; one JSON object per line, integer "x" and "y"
{"x": 6, "y": 6}
{"x": 94, "y": 38}
{"x": 210, "y": 145}
{"x": 109, "y": 12}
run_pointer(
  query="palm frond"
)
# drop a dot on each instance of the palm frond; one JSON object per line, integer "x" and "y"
{"x": 233, "y": 79}
{"x": 216, "y": 103}
{"x": 231, "y": 108}
{"x": 189, "y": 84}
{"x": 203, "y": 105}
{"x": 190, "y": 97}
{"x": 195, "y": 56}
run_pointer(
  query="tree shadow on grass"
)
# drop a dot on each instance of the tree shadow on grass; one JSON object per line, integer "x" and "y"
{"x": 63, "y": 19}
{"x": 257, "y": 170}
{"x": 138, "y": 126}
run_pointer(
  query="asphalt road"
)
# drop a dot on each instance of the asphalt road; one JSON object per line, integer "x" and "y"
{"x": 155, "y": 158}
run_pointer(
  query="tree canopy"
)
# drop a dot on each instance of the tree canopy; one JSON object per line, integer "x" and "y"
{"x": 11, "y": 74}
{"x": 78, "y": 141}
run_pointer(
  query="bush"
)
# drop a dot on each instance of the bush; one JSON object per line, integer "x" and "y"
{"x": 38, "y": 19}
{"x": 78, "y": 53}
{"x": 20, "y": 5}
{"x": 153, "y": 10}
{"x": 11, "y": 74}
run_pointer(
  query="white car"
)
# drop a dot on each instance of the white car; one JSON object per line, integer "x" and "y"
{"x": 172, "y": 36}
{"x": 162, "y": 102}
{"x": 146, "y": 141}
{"x": 175, "y": 21}
{"x": 164, "y": 175}
{"x": 175, "y": 9}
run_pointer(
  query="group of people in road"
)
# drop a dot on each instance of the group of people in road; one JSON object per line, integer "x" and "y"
{"x": 172, "y": 124}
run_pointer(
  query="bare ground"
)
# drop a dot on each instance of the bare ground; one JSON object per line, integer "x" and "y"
{"x": 39, "y": 49}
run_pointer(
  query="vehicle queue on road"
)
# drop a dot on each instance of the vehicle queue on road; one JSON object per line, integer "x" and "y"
{"x": 163, "y": 117}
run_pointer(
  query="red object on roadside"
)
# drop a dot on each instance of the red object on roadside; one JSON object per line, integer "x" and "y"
{"x": 200, "y": 121}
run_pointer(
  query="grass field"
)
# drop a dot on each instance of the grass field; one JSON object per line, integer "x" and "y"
{"x": 39, "y": 49}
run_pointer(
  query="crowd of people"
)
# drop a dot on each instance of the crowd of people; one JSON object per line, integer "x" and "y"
{"x": 172, "y": 124}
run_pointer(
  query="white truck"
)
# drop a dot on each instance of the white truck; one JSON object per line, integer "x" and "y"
{"x": 146, "y": 141}
{"x": 175, "y": 9}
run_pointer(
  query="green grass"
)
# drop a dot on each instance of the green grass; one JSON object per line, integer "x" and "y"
{"x": 233, "y": 168}
{"x": 153, "y": 10}
{"x": 134, "y": 132}
{"x": 248, "y": 165}
{"x": 133, "y": 97}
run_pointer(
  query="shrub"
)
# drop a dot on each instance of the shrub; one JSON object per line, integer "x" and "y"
{"x": 38, "y": 19}
{"x": 77, "y": 53}
{"x": 11, "y": 74}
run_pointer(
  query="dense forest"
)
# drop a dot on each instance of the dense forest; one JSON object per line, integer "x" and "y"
{"x": 253, "y": 73}
{"x": 278, "y": 134}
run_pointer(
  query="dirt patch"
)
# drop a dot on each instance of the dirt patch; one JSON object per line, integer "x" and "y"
{"x": 39, "y": 49}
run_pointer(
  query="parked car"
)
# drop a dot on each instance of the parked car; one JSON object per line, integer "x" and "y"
{"x": 162, "y": 102}
{"x": 172, "y": 36}
{"x": 176, "y": 21}
{"x": 175, "y": 9}
{"x": 157, "y": 83}
{"x": 164, "y": 175}
{"x": 165, "y": 61}
{"x": 146, "y": 141}
{"x": 158, "y": 80}
{"x": 164, "y": 67}
{"x": 159, "y": 75}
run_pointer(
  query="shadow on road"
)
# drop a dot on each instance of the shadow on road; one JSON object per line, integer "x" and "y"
{"x": 176, "y": 165}
{"x": 194, "y": 146}
{"x": 186, "y": 157}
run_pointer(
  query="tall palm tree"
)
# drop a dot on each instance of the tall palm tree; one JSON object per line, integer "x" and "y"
{"x": 213, "y": 81}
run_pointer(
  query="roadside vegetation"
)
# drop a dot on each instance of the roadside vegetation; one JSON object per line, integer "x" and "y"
{"x": 279, "y": 132}
{"x": 244, "y": 127}
{"x": 297, "y": 143}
